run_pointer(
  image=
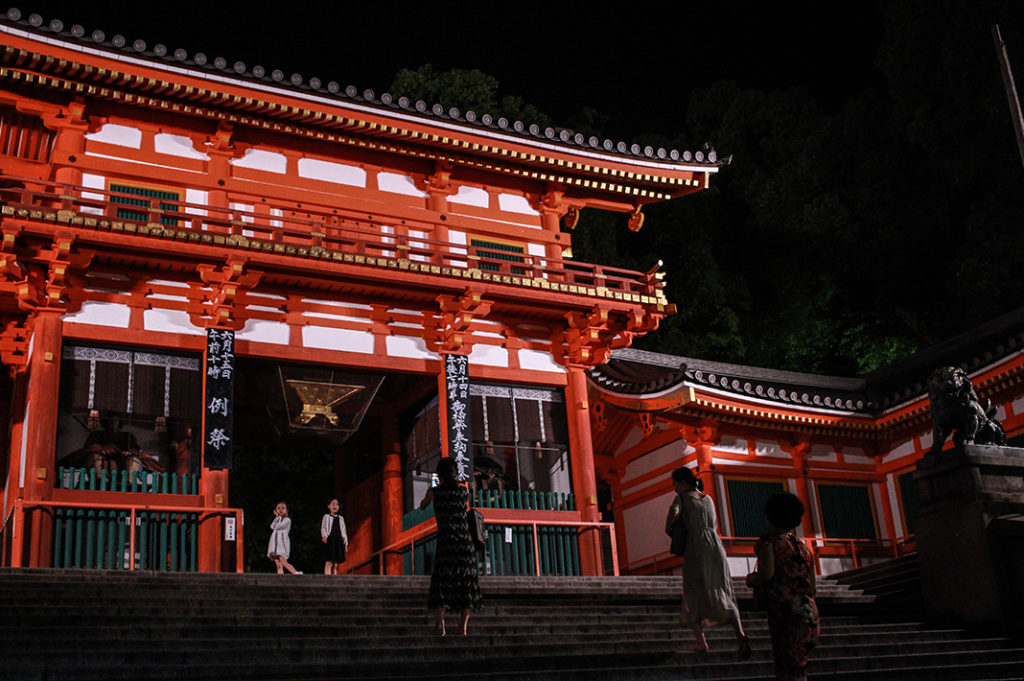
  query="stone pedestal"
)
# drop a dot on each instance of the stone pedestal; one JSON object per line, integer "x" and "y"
{"x": 970, "y": 533}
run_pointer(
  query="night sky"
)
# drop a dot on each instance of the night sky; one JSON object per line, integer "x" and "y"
{"x": 635, "y": 62}
{"x": 875, "y": 202}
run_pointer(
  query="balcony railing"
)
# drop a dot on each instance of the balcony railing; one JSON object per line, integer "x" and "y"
{"x": 337, "y": 235}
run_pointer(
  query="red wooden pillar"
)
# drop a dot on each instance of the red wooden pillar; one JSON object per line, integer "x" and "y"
{"x": 391, "y": 508}
{"x": 40, "y": 435}
{"x": 213, "y": 487}
{"x": 584, "y": 475}
{"x": 800, "y": 450}
{"x": 701, "y": 437}
{"x": 69, "y": 145}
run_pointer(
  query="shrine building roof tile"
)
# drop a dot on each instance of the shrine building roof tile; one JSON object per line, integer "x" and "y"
{"x": 642, "y": 373}
{"x": 199, "y": 62}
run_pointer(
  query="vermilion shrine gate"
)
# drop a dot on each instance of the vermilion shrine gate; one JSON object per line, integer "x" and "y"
{"x": 171, "y": 222}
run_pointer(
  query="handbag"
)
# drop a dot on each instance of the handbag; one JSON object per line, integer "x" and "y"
{"x": 477, "y": 528}
{"x": 678, "y": 534}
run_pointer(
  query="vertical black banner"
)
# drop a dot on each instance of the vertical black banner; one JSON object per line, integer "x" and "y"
{"x": 456, "y": 379}
{"x": 220, "y": 381}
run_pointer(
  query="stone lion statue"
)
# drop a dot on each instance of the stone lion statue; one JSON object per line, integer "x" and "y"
{"x": 955, "y": 409}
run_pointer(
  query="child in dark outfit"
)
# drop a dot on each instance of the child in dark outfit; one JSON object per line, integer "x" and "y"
{"x": 334, "y": 537}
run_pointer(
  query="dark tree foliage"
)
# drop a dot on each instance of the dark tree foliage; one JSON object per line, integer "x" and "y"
{"x": 467, "y": 89}
{"x": 845, "y": 234}
{"x": 842, "y": 240}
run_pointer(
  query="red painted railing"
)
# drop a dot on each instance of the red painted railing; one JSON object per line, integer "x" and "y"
{"x": 830, "y": 547}
{"x": 15, "y": 525}
{"x": 428, "y": 529}
{"x": 339, "y": 235}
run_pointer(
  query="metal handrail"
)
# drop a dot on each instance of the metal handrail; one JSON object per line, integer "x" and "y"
{"x": 204, "y": 513}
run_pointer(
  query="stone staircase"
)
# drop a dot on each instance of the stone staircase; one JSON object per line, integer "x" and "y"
{"x": 895, "y": 584}
{"x": 144, "y": 626}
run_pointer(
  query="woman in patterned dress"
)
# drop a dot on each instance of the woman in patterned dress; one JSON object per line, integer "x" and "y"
{"x": 453, "y": 583}
{"x": 784, "y": 584}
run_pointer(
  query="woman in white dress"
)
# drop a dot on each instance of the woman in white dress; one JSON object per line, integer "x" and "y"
{"x": 280, "y": 545}
{"x": 707, "y": 585}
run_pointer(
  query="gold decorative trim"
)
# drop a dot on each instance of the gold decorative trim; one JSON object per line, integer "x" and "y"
{"x": 310, "y": 116}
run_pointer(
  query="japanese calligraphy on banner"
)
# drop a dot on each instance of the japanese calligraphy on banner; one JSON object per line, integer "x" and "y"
{"x": 219, "y": 410}
{"x": 456, "y": 378}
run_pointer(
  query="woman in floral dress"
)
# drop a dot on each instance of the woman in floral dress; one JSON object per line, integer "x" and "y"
{"x": 784, "y": 584}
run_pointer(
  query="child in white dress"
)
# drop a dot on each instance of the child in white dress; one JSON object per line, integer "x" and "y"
{"x": 280, "y": 546}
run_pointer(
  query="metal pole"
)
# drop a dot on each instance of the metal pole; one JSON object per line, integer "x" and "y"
{"x": 1011, "y": 90}
{"x": 536, "y": 551}
{"x": 18, "y": 527}
{"x": 131, "y": 542}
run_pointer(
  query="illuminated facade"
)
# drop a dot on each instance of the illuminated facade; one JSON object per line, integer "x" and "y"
{"x": 329, "y": 248}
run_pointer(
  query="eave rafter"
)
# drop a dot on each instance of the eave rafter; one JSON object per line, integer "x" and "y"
{"x": 632, "y": 185}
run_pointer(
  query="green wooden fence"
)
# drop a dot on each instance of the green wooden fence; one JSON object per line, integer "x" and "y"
{"x": 101, "y": 538}
{"x": 123, "y": 481}
{"x": 510, "y": 549}
{"x": 98, "y": 538}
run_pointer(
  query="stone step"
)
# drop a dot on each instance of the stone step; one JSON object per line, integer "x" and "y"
{"x": 619, "y": 662}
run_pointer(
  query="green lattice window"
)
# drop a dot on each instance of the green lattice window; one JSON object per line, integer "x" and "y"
{"x": 499, "y": 250}
{"x": 746, "y": 504}
{"x": 908, "y": 494}
{"x": 846, "y": 511}
{"x": 144, "y": 198}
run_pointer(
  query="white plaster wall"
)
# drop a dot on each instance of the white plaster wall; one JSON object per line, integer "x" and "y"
{"x": 121, "y": 135}
{"x": 170, "y": 321}
{"x": 768, "y": 448}
{"x": 243, "y": 208}
{"x": 177, "y": 145}
{"x": 327, "y": 171}
{"x": 326, "y": 338}
{"x": 93, "y": 182}
{"x": 731, "y": 444}
{"x": 101, "y": 314}
{"x": 878, "y": 501}
{"x": 539, "y": 360}
{"x": 489, "y": 355}
{"x": 663, "y": 456}
{"x": 471, "y": 196}
{"x": 196, "y": 196}
{"x": 894, "y": 502}
{"x": 398, "y": 184}
{"x": 258, "y": 159}
{"x": 856, "y": 455}
{"x": 644, "y": 526}
{"x": 264, "y": 331}
{"x": 409, "y": 347}
{"x": 903, "y": 449}
{"x": 513, "y": 203}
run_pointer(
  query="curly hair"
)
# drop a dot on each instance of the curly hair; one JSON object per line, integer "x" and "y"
{"x": 784, "y": 510}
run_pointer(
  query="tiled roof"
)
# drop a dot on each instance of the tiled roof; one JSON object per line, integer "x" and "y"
{"x": 97, "y": 38}
{"x": 638, "y": 372}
